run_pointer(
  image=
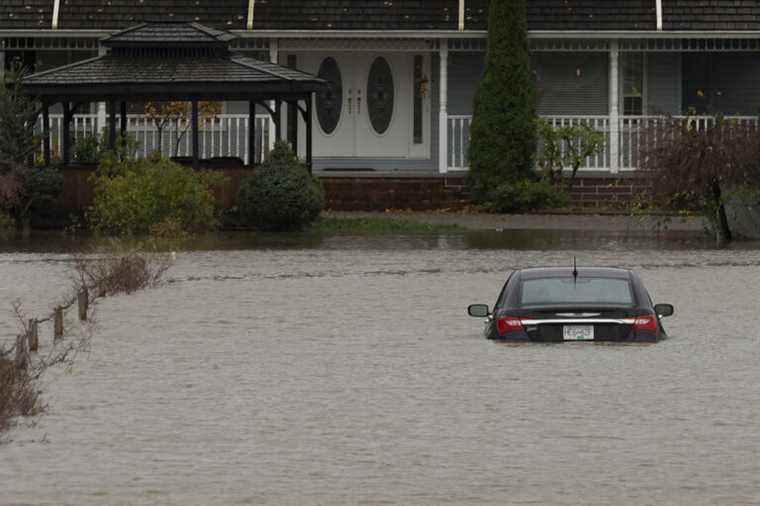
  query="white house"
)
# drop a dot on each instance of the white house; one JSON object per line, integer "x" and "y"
{"x": 404, "y": 73}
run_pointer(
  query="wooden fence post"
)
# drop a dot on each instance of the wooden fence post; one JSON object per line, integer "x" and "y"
{"x": 83, "y": 301}
{"x": 58, "y": 324}
{"x": 33, "y": 335}
{"x": 22, "y": 352}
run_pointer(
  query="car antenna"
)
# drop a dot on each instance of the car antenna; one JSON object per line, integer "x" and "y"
{"x": 575, "y": 270}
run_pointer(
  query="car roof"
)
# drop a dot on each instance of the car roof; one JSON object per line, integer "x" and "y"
{"x": 583, "y": 272}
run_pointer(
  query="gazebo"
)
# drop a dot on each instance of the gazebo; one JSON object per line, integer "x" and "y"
{"x": 171, "y": 61}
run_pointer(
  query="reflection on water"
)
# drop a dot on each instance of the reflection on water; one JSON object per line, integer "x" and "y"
{"x": 56, "y": 242}
{"x": 344, "y": 370}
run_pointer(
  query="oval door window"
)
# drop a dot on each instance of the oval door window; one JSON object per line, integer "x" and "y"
{"x": 380, "y": 95}
{"x": 330, "y": 99}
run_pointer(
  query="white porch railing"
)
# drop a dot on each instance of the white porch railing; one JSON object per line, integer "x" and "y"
{"x": 630, "y": 134}
{"x": 224, "y": 136}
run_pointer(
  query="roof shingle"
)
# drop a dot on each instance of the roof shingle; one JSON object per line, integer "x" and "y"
{"x": 711, "y": 15}
{"x": 118, "y": 14}
{"x": 356, "y": 15}
{"x": 110, "y": 69}
{"x": 573, "y": 15}
{"x": 25, "y": 14}
{"x": 586, "y": 15}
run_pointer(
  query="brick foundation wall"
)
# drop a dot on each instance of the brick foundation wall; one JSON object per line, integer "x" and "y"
{"x": 605, "y": 192}
{"x": 378, "y": 193}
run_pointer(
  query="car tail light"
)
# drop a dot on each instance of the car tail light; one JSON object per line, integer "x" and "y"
{"x": 509, "y": 324}
{"x": 646, "y": 323}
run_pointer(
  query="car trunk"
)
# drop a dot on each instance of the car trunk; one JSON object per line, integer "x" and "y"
{"x": 580, "y": 324}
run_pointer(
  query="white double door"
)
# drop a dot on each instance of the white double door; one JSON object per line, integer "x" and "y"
{"x": 369, "y": 109}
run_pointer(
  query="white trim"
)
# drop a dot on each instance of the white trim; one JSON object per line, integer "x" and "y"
{"x": 443, "y": 121}
{"x": 614, "y": 107}
{"x": 367, "y": 45}
{"x": 482, "y": 34}
{"x": 422, "y": 34}
{"x": 251, "y": 6}
{"x": 659, "y": 15}
{"x": 56, "y": 12}
{"x": 461, "y": 15}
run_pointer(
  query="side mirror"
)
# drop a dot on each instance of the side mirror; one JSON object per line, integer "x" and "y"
{"x": 664, "y": 309}
{"x": 478, "y": 310}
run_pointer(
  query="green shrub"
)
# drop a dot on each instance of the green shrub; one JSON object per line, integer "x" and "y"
{"x": 87, "y": 149}
{"x": 566, "y": 147}
{"x": 281, "y": 194}
{"x": 133, "y": 196}
{"x": 525, "y": 195}
{"x": 503, "y": 131}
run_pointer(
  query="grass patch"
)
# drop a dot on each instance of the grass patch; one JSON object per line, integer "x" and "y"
{"x": 380, "y": 225}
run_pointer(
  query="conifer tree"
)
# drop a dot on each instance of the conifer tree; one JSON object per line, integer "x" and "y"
{"x": 503, "y": 131}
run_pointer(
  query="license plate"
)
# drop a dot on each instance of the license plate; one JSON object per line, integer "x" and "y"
{"x": 578, "y": 332}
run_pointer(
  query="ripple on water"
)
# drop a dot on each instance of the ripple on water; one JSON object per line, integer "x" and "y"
{"x": 348, "y": 375}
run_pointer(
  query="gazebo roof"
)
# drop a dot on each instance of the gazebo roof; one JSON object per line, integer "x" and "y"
{"x": 171, "y": 61}
{"x": 166, "y": 32}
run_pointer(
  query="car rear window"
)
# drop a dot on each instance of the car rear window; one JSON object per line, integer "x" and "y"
{"x": 547, "y": 291}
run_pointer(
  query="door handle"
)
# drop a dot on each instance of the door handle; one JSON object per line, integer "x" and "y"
{"x": 359, "y": 105}
{"x": 350, "y": 102}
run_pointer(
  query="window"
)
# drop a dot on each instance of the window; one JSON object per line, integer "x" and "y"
{"x": 292, "y": 111}
{"x": 633, "y": 84}
{"x": 548, "y": 291}
{"x": 330, "y": 98}
{"x": 380, "y": 95}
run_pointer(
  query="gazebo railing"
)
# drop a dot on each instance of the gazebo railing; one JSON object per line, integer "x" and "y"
{"x": 226, "y": 135}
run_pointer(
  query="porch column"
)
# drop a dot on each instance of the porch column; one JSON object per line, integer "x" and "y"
{"x": 112, "y": 125}
{"x": 45, "y": 132}
{"x": 274, "y": 57}
{"x": 309, "y": 141}
{"x": 123, "y": 118}
{"x": 252, "y": 134}
{"x": 101, "y": 121}
{"x": 66, "y": 141}
{"x": 2, "y": 61}
{"x": 194, "y": 126}
{"x": 614, "y": 107}
{"x": 443, "y": 121}
{"x": 277, "y": 120}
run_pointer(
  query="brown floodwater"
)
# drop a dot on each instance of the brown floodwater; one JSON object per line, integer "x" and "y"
{"x": 344, "y": 370}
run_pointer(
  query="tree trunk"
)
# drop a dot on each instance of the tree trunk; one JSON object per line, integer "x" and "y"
{"x": 722, "y": 230}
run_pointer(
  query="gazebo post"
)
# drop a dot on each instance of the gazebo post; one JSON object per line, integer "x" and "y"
{"x": 66, "y": 141}
{"x": 251, "y": 133}
{"x": 46, "y": 132}
{"x": 309, "y": 148}
{"x": 194, "y": 123}
{"x": 123, "y": 118}
{"x": 278, "y": 120}
{"x": 112, "y": 125}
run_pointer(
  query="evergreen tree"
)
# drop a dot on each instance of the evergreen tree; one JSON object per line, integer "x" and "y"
{"x": 503, "y": 131}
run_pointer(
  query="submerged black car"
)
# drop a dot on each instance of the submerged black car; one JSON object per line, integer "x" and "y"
{"x": 569, "y": 304}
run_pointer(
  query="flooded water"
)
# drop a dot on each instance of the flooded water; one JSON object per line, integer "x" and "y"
{"x": 345, "y": 371}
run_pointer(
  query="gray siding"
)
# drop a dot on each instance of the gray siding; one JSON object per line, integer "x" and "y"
{"x": 561, "y": 91}
{"x": 664, "y": 83}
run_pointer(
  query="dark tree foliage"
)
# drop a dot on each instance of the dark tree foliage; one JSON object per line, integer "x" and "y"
{"x": 281, "y": 194}
{"x": 503, "y": 131}
{"x": 694, "y": 166}
{"x": 18, "y": 116}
